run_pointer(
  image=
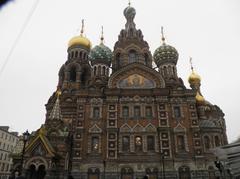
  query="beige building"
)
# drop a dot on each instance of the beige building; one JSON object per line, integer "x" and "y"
{"x": 8, "y": 141}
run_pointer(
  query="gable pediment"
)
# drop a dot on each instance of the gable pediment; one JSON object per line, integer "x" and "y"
{"x": 40, "y": 146}
{"x": 179, "y": 128}
{"x": 125, "y": 128}
{"x": 150, "y": 128}
{"x": 95, "y": 129}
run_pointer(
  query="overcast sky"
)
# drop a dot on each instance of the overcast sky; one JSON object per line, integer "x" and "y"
{"x": 207, "y": 30}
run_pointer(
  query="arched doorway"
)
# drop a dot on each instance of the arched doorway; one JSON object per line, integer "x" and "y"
{"x": 41, "y": 172}
{"x": 184, "y": 172}
{"x": 126, "y": 173}
{"x": 31, "y": 172}
{"x": 93, "y": 173}
{"x": 152, "y": 173}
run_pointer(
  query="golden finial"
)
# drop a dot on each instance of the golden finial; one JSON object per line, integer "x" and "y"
{"x": 163, "y": 38}
{"x": 82, "y": 29}
{"x": 102, "y": 37}
{"x": 191, "y": 63}
{"x": 58, "y": 93}
{"x": 129, "y": 2}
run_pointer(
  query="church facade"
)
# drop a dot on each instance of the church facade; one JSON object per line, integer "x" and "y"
{"x": 116, "y": 116}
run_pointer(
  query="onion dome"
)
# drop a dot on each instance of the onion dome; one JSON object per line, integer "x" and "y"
{"x": 165, "y": 53}
{"x": 129, "y": 13}
{"x": 80, "y": 40}
{"x": 101, "y": 53}
{"x": 200, "y": 99}
{"x": 194, "y": 78}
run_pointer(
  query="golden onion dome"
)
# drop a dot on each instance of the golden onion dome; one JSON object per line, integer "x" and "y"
{"x": 80, "y": 40}
{"x": 194, "y": 78}
{"x": 200, "y": 99}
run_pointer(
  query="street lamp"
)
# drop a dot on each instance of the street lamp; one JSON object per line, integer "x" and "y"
{"x": 220, "y": 167}
{"x": 25, "y": 139}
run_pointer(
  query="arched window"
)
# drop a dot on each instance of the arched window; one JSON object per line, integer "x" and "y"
{"x": 217, "y": 141}
{"x": 132, "y": 56}
{"x": 148, "y": 111}
{"x": 80, "y": 54}
{"x": 99, "y": 70}
{"x": 118, "y": 60}
{"x": 164, "y": 71}
{"x": 104, "y": 70}
{"x": 180, "y": 143}
{"x": 137, "y": 112}
{"x": 126, "y": 173}
{"x": 174, "y": 71}
{"x": 76, "y": 54}
{"x": 150, "y": 143}
{"x": 84, "y": 56}
{"x": 95, "y": 70}
{"x": 96, "y": 112}
{"x": 206, "y": 142}
{"x": 72, "y": 53}
{"x": 170, "y": 70}
{"x": 73, "y": 74}
{"x": 138, "y": 143}
{"x": 95, "y": 144}
{"x": 126, "y": 143}
{"x": 93, "y": 173}
{"x": 184, "y": 172}
{"x": 125, "y": 112}
{"x": 146, "y": 58}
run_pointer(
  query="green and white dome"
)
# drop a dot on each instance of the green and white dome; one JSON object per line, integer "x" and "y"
{"x": 165, "y": 54}
{"x": 101, "y": 54}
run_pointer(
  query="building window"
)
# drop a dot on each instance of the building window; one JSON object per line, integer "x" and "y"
{"x": 125, "y": 111}
{"x": 137, "y": 112}
{"x": 73, "y": 74}
{"x": 95, "y": 144}
{"x": 96, "y": 112}
{"x": 180, "y": 143}
{"x": 150, "y": 143}
{"x": 76, "y": 54}
{"x": 146, "y": 58}
{"x": 132, "y": 56}
{"x": 148, "y": 111}
{"x": 118, "y": 60}
{"x": 206, "y": 142}
{"x": 138, "y": 144}
{"x": 126, "y": 143}
{"x": 177, "y": 111}
{"x": 217, "y": 141}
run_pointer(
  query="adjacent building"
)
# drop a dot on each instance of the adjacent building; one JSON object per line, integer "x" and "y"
{"x": 8, "y": 141}
{"x": 124, "y": 114}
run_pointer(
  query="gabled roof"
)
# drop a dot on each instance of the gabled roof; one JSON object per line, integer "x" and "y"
{"x": 40, "y": 137}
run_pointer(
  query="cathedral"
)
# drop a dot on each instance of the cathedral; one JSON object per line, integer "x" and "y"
{"x": 125, "y": 114}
